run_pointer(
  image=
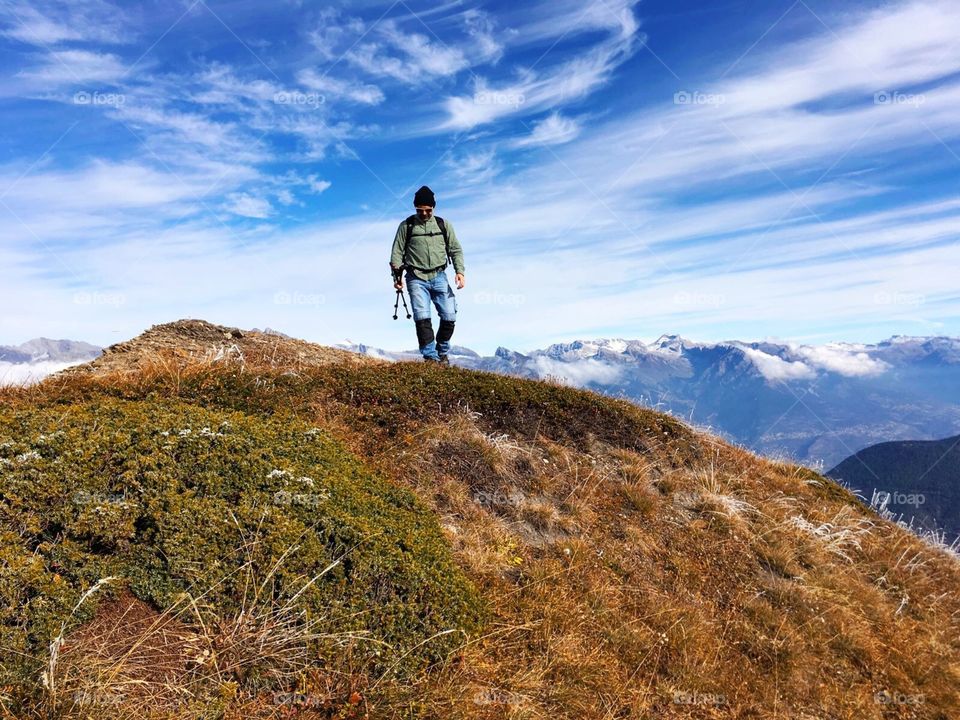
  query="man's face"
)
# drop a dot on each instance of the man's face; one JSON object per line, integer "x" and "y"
{"x": 424, "y": 212}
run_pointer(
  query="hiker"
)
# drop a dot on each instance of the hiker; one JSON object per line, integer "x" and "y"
{"x": 423, "y": 246}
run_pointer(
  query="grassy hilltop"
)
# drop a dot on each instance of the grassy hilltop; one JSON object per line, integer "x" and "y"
{"x": 209, "y": 523}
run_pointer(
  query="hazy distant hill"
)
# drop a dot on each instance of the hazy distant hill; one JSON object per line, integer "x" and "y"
{"x": 919, "y": 479}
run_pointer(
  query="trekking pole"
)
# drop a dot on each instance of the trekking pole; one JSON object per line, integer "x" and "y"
{"x": 405, "y": 308}
{"x": 396, "y": 273}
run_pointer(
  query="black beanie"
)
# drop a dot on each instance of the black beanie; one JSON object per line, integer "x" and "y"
{"x": 424, "y": 196}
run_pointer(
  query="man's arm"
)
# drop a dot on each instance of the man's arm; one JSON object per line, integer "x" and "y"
{"x": 399, "y": 246}
{"x": 456, "y": 251}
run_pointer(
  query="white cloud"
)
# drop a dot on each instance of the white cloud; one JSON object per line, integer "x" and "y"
{"x": 775, "y": 369}
{"x": 249, "y": 206}
{"x": 98, "y": 187}
{"x": 552, "y": 130}
{"x": 578, "y": 373}
{"x": 333, "y": 31}
{"x": 838, "y": 359}
{"x": 317, "y": 185}
{"x": 550, "y": 20}
{"x": 49, "y": 22}
{"x": 29, "y": 373}
{"x": 485, "y": 36}
{"x": 558, "y": 85}
{"x": 352, "y": 91}
{"x": 408, "y": 57}
{"x": 473, "y": 168}
{"x": 76, "y": 68}
{"x": 218, "y": 84}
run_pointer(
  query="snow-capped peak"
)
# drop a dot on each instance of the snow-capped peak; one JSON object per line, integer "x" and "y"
{"x": 669, "y": 343}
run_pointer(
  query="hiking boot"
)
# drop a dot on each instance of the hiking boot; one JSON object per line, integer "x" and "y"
{"x": 432, "y": 360}
{"x": 444, "y": 360}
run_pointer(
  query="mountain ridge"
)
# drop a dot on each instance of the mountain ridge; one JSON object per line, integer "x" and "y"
{"x": 814, "y": 404}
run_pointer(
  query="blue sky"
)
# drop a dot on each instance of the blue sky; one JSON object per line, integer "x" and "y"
{"x": 729, "y": 170}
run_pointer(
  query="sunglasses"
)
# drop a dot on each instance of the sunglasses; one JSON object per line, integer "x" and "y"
{"x": 424, "y": 209}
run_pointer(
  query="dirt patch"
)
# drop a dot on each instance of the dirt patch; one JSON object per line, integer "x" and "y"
{"x": 129, "y": 651}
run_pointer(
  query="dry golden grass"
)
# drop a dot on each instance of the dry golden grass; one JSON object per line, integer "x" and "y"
{"x": 737, "y": 588}
{"x": 626, "y": 583}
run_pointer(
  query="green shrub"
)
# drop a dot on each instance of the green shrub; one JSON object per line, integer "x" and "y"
{"x": 174, "y": 497}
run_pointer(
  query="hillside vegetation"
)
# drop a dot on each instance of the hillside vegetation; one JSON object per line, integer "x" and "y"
{"x": 210, "y": 523}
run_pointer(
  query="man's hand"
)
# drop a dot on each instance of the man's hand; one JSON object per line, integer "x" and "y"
{"x": 461, "y": 281}
{"x": 398, "y": 285}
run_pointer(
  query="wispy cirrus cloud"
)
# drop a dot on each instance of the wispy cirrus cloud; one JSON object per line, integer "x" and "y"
{"x": 52, "y": 23}
{"x": 72, "y": 67}
{"x": 555, "y": 84}
{"x": 336, "y": 88}
{"x": 407, "y": 56}
{"x": 554, "y": 129}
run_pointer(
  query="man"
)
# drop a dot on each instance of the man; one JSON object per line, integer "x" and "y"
{"x": 421, "y": 247}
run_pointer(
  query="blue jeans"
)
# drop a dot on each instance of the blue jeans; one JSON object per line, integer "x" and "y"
{"x": 439, "y": 292}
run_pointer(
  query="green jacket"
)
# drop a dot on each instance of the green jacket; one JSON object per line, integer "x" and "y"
{"x": 424, "y": 254}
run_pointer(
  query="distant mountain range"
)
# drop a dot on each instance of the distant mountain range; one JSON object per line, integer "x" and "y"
{"x": 917, "y": 481}
{"x": 40, "y": 357}
{"x": 816, "y": 405}
{"x": 813, "y": 404}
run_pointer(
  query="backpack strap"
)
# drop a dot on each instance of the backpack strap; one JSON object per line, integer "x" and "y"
{"x": 446, "y": 240}
{"x": 410, "y": 220}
